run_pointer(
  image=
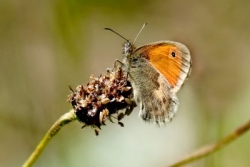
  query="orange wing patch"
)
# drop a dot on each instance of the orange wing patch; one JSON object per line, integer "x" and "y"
{"x": 167, "y": 60}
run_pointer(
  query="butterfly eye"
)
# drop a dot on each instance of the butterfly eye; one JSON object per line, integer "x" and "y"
{"x": 134, "y": 60}
{"x": 173, "y": 54}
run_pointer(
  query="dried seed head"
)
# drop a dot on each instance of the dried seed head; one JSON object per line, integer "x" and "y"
{"x": 106, "y": 96}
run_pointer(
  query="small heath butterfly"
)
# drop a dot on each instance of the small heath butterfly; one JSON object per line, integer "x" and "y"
{"x": 156, "y": 71}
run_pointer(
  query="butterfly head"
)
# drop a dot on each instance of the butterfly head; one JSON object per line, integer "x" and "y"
{"x": 128, "y": 49}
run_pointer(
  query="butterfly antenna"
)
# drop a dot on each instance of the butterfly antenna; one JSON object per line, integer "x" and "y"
{"x": 140, "y": 31}
{"x": 116, "y": 33}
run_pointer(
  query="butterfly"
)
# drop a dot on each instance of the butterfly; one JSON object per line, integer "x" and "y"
{"x": 156, "y": 71}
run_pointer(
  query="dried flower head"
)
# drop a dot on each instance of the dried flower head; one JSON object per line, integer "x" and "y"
{"x": 103, "y": 97}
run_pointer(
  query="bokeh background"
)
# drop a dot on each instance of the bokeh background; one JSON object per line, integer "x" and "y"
{"x": 47, "y": 45}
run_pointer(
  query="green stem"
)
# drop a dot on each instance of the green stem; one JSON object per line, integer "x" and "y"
{"x": 63, "y": 120}
{"x": 206, "y": 150}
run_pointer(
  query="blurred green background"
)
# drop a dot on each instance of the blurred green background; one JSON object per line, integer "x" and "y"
{"x": 47, "y": 45}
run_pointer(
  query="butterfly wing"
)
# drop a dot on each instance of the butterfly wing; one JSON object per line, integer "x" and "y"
{"x": 171, "y": 59}
{"x": 157, "y": 71}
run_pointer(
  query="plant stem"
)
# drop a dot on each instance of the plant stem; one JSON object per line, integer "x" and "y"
{"x": 63, "y": 120}
{"x": 208, "y": 149}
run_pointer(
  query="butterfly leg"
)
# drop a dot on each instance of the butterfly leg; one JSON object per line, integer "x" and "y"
{"x": 118, "y": 63}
